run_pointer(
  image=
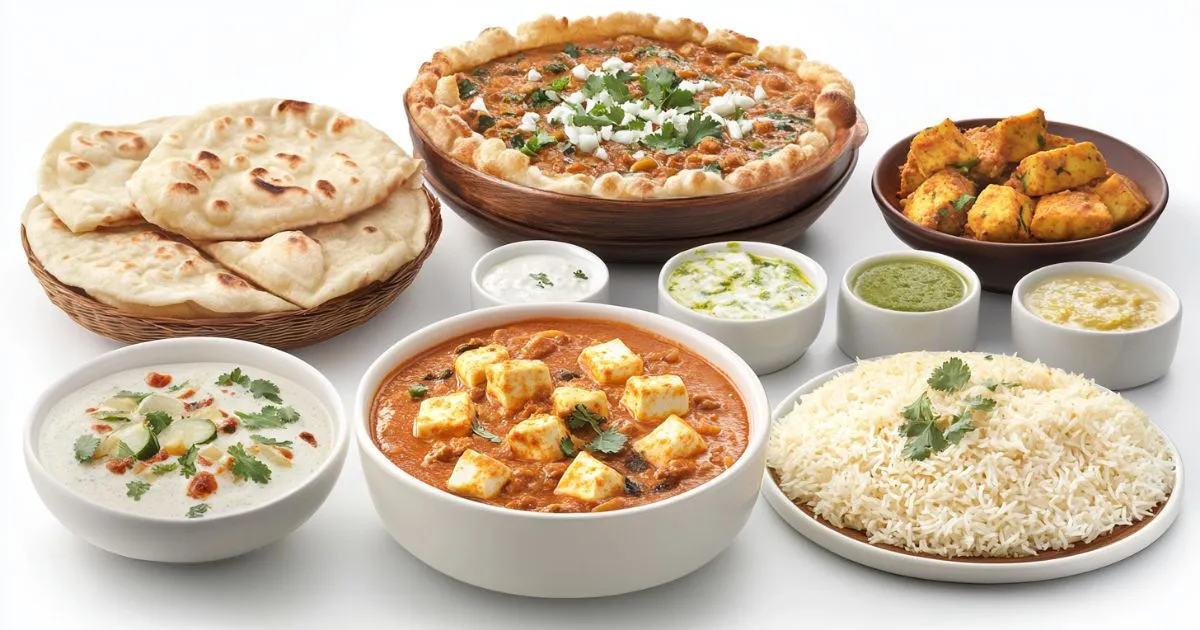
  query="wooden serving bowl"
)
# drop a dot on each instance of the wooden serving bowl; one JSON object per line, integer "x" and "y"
{"x": 779, "y": 232}
{"x": 643, "y": 220}
{"x": 290, "y": 329}
{"x": 1000, "y": 265}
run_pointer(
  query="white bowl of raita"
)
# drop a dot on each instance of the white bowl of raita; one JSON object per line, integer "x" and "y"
{"x": 186, "y": 450}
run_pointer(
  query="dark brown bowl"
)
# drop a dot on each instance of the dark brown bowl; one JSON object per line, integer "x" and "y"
{"x": 779, "y": 232}
{"x": 1001, "y": 265}
{"x": 642, "y": 220}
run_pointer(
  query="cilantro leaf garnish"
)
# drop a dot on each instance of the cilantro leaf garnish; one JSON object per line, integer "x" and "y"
{"x": 484, "y": 122}
{"x": 608, "y": 441}
{"x": 581, "y": 417}
{"x": 593, "y": 85}
{"x": 262, "y": 388}
{"x": 136, "y": 488}
{"x": 85, "y": 447}
{"x": 540, "y": 98}
{"x": 466, "y": 89}
{"x": 158, "y": 420}
{"x": 270, "y": 417}
{"x": 536, "y": 143}
{"x": 959, "y": 426}
{"x": 418, "y": 391}
{"x": 124, "y": 452}
{"x": 479, "y": 72}
{"x": 657, "y": 82}
{"x": 979, "y": 403}
{"x": 580, "y": 274}
{"x": 162, "y": 469}
{"x": 234, "y": 377}
{"x": 555, "y": 68}
{"x": 616, "y": 88}
{"x": 542, "y": 280}
{"x": 671, "y": 140}
{"x": 962, "y": 201}
{"x": 571, "y": 49}
{"x": 481, "y": 431}
{"x": 187, "y": 463}
{"x": 560, "y": 84}
{"x": 135, "y": 396}
{"x": 567, "y": 446}
{"x": 950, "y": 376}
{"x": 440, "y": 375}
{"x": 924, "y": 436}
{"x": 699, "y": 128}
{"x": 198, "y": 510}
{"x": 110, "y": 416}
{"x": 712, "y": 167}
{"x": 266, "y": 441}
{"x": 991, "y": 384}
{"x": 247, "y": 466}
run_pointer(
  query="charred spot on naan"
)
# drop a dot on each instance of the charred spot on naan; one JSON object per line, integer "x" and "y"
{"x": 185, "y": 188}
{"x": 340, "y": 124}
{"x": 296, "y": 107}
{"x": 327, "y": 188}
{"x": 293, "y": 161}
{"x": 210, "y": 159}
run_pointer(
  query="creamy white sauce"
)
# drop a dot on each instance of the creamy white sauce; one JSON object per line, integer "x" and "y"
{"x": 540, "y": 278}
{"x": 167, "y": 495}
{"x": 736, "y": 284}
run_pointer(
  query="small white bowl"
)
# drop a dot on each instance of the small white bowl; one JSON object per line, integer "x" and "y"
{"x": 867, "y": 331}
{"x": 1117, "y": 359}
{"x": 591, "y": 264}
{"x": 768, "y": 344}
{"x": 519, "y": 552}
{"x": 215, "y": 536}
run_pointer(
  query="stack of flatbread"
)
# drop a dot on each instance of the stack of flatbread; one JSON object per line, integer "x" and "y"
{"x": 254, "y": 207}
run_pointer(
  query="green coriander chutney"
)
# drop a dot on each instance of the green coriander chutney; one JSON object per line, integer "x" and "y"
{"x": 910, "y": 285}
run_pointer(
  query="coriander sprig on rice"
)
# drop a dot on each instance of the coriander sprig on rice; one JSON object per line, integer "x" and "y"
{"x": 921, "y": 427}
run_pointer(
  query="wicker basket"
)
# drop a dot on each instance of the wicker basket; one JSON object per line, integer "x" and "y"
{"x": 290, "y": 329}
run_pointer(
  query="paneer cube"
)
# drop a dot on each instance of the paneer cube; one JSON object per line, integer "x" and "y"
{"x": 932, "y": 150}
{"x": 1057, "y": 170}
{"x": 513, "y": 383}
{"x": 589, "y": 479}
{"x": 1070, "y": 215}
{"x": 941, "y": 202}
{"x": 478, "y": 476}
{"x": 1125, "y": 201}
{"x": 653, "y": 398}
{"x": 1021, "y": 136}
{"x": 538, "y": 438}
{"x": 471, "y": 366}
{"x": 610, "y": 363}
{"x": 1057, "y": 142}
{"x": 565, "y": 399}
{"x": 1001, "y": 215}
{"x": 444, "y": 417}
{"x": 672, "y": 439}
{"x": 992, "y": 165}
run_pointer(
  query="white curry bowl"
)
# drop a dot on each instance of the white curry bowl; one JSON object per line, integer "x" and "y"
{"x": 519, "y": 552}
{"x": 215, "y": 536}
{"x": 866, "y": 331}
{"x": 1118, "y": 359}
{"x": 589, "y": 263}
{"x": 768, "y": 344}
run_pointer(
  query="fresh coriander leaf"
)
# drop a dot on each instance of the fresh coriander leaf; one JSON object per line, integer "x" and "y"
{"x": 979, "y": 403}
{"x": 198, "y": 510}
{"x": 418, "y": 391}
{"x": 555, "y": 68}
{"x": 124, "y": 452}
{"x": 580, "y": 274}
{"x": 176, "y": 387}
{"x": 616, "y": 88}
{"x": 466, "y": 89}
{"x": 918, "y": 414}
{"x": 988, "y": 357}
{"x": 608, "y": 441}
{"x": 247, "y": 466}
{"x": 958, "y": 427}
{"x": 266, "y": 441}
{"x": 187, "y": 463}
{"x": 712, "y": 167}
{"x": 479, "y": 72}
{"x": 158, "y": 420}
{"x": 991, "y": 384}
{"x": 681, "y": 100}
{"x": 632, "y": 488}
{"x": 657, "y": 82}
{"x": 567, "y": 446}
{"x": 560, "y": 84}
{"x": 136, "y": 488}
{"x": 110, "y": 416}
{"x": 270, "y": 417}
{"x": 665, "y": 139}
{"x": 542, "y": 280}
{"x": 535, "y": 144}
{"x": 581, "y": 417}
{"x": 540, "y": 98}
{"x": 571, "y": 49}
{"x": 135, "y": 396}
{"x": 701, "y": 127}
{"x": 162, "y": 469}
{"x": 484, "y": 122}
{"x": 85, "y": 447}
{"x": 262, "y": 388}
{"x": 950, "y": 376}
{"x": 481, "y": 431}
{"x": 593, "y": 85}
{"x": 929, "y": 439}
{"x": 440, "y": 375}
{"x": 234, "y": 377}
{"x": 963, "y": 200}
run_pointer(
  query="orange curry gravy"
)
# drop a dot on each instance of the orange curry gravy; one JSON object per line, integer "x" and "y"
{"x": 717, "y": 412}
{"x": 508, "y": 93}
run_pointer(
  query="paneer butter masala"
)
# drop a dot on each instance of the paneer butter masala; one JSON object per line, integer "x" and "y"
{"x": 560, "y": 416}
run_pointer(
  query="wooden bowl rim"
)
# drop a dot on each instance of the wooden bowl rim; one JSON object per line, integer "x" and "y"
{"x": 854, "y": 137}
{"x": 382, "y": 286}
{"x": 895, "y": 215}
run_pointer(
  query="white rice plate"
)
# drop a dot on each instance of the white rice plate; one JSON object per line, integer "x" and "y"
{"x": 1059, "y": 461}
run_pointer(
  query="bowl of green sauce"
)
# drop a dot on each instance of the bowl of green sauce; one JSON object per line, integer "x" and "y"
{"x": 905, "y": 301}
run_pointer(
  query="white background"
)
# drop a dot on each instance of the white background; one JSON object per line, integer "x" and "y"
{"x": 1127, "y": 68}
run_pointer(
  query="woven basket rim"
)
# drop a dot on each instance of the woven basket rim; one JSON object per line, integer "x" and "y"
{"x": 50, "y": 282}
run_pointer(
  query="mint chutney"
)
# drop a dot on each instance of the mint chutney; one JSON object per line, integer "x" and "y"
{"x": 910, "y": 285}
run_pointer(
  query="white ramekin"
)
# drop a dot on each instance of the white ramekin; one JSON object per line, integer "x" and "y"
{"x": 595, "y": 268}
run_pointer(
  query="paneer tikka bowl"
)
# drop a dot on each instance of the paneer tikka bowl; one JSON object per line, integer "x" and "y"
{"x": 562, "y": 450}
{"x": 1001, "y": 265}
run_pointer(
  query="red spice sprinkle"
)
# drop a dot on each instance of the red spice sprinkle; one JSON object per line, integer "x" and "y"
{"x": 203, "y": 461}
{"x": 158, "y": 457}
{"x": 286, "y": 452}
{"x": 202, "y": 485}
{"x": 187, "y": 394}
{"x": 90, "y": 410}
{"x": 157, "y": 379}
{"x": 229, "y": 426}
{"x": 309, "y": 438}
{"x": 101, "y": 428}
{"x": 118, "y": 466}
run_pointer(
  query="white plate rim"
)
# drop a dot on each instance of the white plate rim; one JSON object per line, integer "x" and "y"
{"x": 936, "y": 569}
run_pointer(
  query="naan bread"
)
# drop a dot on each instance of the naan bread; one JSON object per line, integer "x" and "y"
{"x": 249, "y": 170}
{"x": 320, "y": 263}
{"x": 84, "y": 170}
{"x": 141, "y": 270}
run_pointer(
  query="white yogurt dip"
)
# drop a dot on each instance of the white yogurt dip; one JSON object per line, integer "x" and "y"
{"x": 140, "y": 442}
{"x": 539, "y": 278}
{"x": 732, "y": 283}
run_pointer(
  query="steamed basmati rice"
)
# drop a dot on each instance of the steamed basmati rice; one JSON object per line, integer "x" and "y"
{"x": 1059, "y": 460}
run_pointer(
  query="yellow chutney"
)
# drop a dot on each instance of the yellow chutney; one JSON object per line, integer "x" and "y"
{"x": 1095, "y": 302}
